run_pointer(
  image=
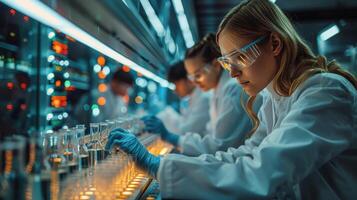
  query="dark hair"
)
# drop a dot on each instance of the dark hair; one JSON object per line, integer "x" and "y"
{"x": 207, "y": 49}
{"x": 122, "y": 77}
{"x": 177, "y": 72}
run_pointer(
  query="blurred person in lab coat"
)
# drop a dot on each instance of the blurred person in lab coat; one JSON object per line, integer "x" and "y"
{"x": 228, "y": 123}
{"x": 194, "y": 104}
{"x": 113, "y": 98}
{"x": 304, "y": 141}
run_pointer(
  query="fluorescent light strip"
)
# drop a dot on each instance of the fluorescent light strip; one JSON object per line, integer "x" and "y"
{"x": 153, "y": 18}
{"x": 170, "y": 42}
{"x": 49, "y": 17}
{"x": 125, "y": 3}
{"x": 330, "y": 32}
{"x": 159, "y": 28}
{"x": 182, "y": 19}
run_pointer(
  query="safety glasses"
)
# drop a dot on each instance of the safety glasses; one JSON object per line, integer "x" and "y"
{"x": 243, "y": 57}
{"x": 197, "y": 75}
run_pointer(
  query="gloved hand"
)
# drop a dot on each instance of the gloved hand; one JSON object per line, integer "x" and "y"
{"x": 130, "y": 145}
{"x": 155, "y": 125}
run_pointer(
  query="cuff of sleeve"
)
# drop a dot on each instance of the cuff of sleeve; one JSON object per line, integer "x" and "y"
{"x": 172, "y": 138}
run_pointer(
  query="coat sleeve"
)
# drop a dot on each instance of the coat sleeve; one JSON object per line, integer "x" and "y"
{"x": 197, "y": 117}
{"x": 170, "y": 118}
{"x": 253, "y": 142}
{"x": 230, "y": 129}
{"x": 318, "y": 127}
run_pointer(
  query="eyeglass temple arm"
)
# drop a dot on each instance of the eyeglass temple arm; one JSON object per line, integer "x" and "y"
{"x": 245, "y": 48}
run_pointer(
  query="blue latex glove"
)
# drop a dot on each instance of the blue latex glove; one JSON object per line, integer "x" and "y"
{"x": 130, "y": 145}
{"x": 155, "y": 125}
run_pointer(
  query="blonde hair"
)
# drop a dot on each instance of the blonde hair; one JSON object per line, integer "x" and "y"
{"x": 254, "y": 18}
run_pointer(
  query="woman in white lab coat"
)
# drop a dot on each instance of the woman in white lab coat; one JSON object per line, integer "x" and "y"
{"x": 194, "y": 104}
{"x": 304, "y": 143}
{"x": 229, "y": 123}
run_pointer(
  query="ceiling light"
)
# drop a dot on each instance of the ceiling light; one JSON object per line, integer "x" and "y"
{"x": 183, "y": 22}
{"x": 329, "y": 32}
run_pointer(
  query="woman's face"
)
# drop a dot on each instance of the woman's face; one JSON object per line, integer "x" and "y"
{"x": 204, "y": 75}
{"x": 257, "y": 76}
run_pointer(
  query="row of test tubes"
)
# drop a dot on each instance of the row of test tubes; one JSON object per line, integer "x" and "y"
{"x": 67, "y": 164}
{"x": 97, "y": 174}
{"x": 117, "y": 177}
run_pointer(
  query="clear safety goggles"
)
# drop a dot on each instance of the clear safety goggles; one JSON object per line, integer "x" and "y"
{"x": 197, "y": 75}
{"x": 243, "y": 57}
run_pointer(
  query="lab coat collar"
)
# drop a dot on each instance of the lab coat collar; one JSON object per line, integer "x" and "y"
{"x": 224, "y": 78}
{"x": 272, "y": 92}
{"x": 195, "y": 93}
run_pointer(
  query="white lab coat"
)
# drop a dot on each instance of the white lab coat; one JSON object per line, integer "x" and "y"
{"x": 114, "y": 107}
{"x": 193, "y": 118}
{"x": 304, "y": 148}
{"x": 228, "y": 124}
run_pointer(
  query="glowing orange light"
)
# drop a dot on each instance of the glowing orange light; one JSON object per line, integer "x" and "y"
{"x": 23, "y": 86}
{"x": 26, "y": 18}
{"x": 56, "y": 103}
{"x": 102, "y": 87}
{"x": 58, "y": 83}
{"x": 70, "y": 88}
{"x": 58, "y": 68}
{"x": 60, "y": 47}
{"x": 57, "y": 48}
{"x": 10, "y": 85}
{"x": 9, "y": 106}
{"x": 23, "y": 106}
{"x": 126, "y": 68}
{"x": 101, "y": 60}
{"x": 101, "y": 75}
{"x": 101, "y": 101}
{"x": 138, "y": 99}
{"x": 126, "y": 99}
{"x": 59, "y": 101}
{"x": 12, "y": 12}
